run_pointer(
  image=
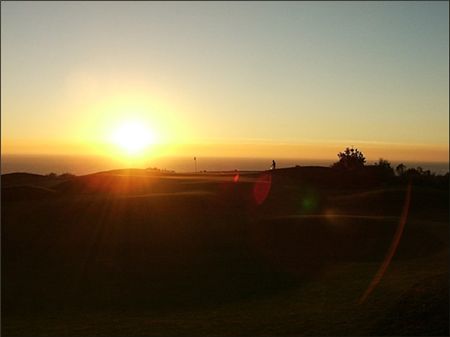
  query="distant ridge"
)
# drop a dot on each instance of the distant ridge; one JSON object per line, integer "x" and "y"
{"x": 21, "y": 178}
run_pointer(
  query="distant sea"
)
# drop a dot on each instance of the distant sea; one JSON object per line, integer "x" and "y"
{"x": 80, "y": 165}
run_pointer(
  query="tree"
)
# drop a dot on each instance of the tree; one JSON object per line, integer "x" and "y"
{"x": 385, "y": 167}
{"x": 384, "y": 164}
{"x": 412, "y": 172}
{"x": 400, "y": 169}
{"x": 350, "y": 158}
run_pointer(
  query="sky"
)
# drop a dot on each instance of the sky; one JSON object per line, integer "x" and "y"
{"x": 286, "y": 79}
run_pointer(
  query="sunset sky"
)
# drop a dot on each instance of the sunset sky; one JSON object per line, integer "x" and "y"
{"x": 288, "y": 79}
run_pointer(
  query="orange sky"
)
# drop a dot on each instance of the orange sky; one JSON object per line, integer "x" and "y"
{"x": 260, "y": 80}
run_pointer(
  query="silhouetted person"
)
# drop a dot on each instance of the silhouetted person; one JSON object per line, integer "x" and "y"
{"x": 274, "y": 165}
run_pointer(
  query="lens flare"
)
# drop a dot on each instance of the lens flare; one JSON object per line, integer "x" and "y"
{"x": 392, "y": 249}
{"x": 261, "y": 188}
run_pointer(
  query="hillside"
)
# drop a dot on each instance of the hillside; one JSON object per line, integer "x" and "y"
{"x": 141, "y": 252}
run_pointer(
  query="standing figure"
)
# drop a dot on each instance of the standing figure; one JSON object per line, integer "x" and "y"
{"x": 273, "y": 165}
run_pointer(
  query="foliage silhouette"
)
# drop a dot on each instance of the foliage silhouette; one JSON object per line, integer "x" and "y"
{"x": 385, "y": 167}
{"x": 400, "y": 169}
{"x": 350, "y": 158}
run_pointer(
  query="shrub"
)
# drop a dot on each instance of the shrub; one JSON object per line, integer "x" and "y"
{"x": 350, "y": 158}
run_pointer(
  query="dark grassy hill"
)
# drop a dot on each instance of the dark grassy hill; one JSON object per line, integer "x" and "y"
{"x": 26, "y": 193}
{"x": 138, "y": 252}
{"x": 21, "y": 178}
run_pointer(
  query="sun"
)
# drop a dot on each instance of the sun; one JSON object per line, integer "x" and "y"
{"x": 133, "y": 137}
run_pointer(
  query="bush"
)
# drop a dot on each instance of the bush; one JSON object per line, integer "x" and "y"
{"x": 350, "y": 158}
{"x": 400, "y": 169}
{"x": 385, "y": 168}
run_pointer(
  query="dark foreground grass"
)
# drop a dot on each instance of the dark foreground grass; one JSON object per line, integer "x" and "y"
{"x": 318, "y": 307}
{"x": 197, "y": 257}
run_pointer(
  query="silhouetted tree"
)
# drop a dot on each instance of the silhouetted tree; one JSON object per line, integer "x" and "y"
{"x": 400, "y": 169}
{"x": 350, "y": 158}
{"x": 384, "y": 164}
{"x": 412, "y": 172}
{"x": 428, "y": 173}
{"x": 385, "y": 167}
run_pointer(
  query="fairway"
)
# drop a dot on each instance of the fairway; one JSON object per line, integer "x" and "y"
{"x": 144, "y": 254}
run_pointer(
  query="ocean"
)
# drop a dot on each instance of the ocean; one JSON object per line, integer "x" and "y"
{"x": 80, "y": 165}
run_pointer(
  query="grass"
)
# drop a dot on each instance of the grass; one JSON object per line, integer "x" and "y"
{"x": 327, "y": 307}
{"x": 197, "y": 257}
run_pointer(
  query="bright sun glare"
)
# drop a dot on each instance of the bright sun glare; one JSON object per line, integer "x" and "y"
{"x": 133, "y": 137}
